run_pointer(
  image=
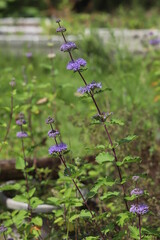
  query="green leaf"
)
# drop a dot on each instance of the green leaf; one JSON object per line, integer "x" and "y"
{"x": 35, "y": 201}
{"x": 20, "y": 163}
{"x": 60, "y": 219}
{"x": 101, "y": 182}
{"x": 104, "y": 157}
{"x": 150, "y": 231}
{"x": 130, "y": 159}
{"x": 117, "y": 121}
{"x": 109, "y": 195}
{"x": 75, "y": 216}
{"x": 7, "y": 109}
{"x": 120, "y": 235}
{"x": 109, "y": 228}
{"x": 31, "y": 192}
{"x": 18, "y": 219}
{"x": 31, "y": 169}
{"x": 21, "y": 198}
{"x": 53, "y": 200}
{"x": 127, "y": 139}
{"x": 134, "y": 232}
{"x": 122, "y": 218}
{"x": 85, "y": 214}
{"x": 131, "y": 198}
{"x": 91, "y": 238}
{"x": 100, "y": 147}
{"x": 46, "y": 66}
{"x": 37, "y": 221}
{"x": 9, "y": 187}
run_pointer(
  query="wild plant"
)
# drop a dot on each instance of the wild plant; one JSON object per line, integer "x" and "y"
{"x": 102, "y": 118}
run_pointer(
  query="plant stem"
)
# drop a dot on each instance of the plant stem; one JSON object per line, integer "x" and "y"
{"x": 4, "y": 236}
{"x": 105, "y": 128}
{"x": 139, "y": 223}
{"x": 25, "y": 173}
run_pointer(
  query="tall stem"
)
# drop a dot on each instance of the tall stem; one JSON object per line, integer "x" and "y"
{"x": 139, "y": 223}
{"x": 105, "y": 128}
{"x": 25, "y": 173}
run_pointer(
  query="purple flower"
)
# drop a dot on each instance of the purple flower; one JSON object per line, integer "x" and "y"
{"x": 12, "y": 82}
{"x": 76, "y": 65}
{"x": 139, "y": 208}
{"x": 58, "y": 20}
{"x": 20, "y": 122}
{"x": 22, "y": 134}
{"x": 3, "y": 229}
{"x": 53, "y": 133}
{"x": 137, "y": 191}
{"x": 21, "y": 115}
{"x": 61, "y": 29}
{"x": 49, "y": 120}
{"x": 91, "y": 86}
{"x": 135, "y": 178}
{"x": 68, "y": 46}
{"x": 29, "y": 54}
{"x": 155, "y": 41}
{"x": 57, "y": 148}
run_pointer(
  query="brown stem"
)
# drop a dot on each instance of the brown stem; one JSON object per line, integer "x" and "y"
{"x": 25, "y": 173}
{"x": 139, "y": 223}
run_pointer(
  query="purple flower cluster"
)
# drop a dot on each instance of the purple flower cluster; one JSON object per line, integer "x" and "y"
{"x": 68, "y": 46}
{"x": 22, "y": 134}
{"x": 137, "y": 192}
{"x": 57, "y": 148}
{"x": 135, "y": 178}
{"x": 89, "y": 87}
{"x": 76, "y": 64}
{"x": 12, "y": 82}
{"x": 49, "y": 120}
{"x": 3, "y": 229}
{"x": 155, "y": 41}
{"x": 20, "y": 122}
{"x": 29, "y": 55}
{"x": 53, "y": 133}
{"x": 139, "y": 209}
{"x": 61, "y": 29}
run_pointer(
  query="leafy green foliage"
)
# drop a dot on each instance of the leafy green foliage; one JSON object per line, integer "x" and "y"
{"x": 104, "y": 157}
{"x": 47, "y": 91}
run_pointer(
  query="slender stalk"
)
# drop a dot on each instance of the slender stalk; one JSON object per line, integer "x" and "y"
{"x": 139, "y": 223}
{"x": 4, "y": 236}
{"x": 25, "y": 173}
{"x": 105, "y": 128}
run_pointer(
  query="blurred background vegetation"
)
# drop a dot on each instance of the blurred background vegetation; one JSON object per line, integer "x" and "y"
{"x": 98, "y": 13}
